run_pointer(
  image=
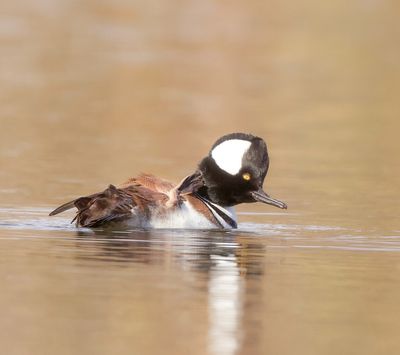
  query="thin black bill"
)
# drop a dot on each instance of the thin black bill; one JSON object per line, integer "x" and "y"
{"x": 261, "y": 196}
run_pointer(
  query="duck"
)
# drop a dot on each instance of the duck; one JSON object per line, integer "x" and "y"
{"x": 232, "y": 173}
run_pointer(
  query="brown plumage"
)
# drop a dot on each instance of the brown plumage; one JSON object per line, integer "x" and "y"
{"x": 138, "y": 199}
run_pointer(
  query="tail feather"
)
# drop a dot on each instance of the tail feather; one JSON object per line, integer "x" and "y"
{"x": 62, "y": 208}
{"x": 79, "y": 203}
{"x": 110, "y": 205}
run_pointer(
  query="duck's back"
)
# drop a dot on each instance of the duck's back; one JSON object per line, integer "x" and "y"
{"x": 144, "y": 201}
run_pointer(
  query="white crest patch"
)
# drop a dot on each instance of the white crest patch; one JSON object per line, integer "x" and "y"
{"x": 229, "y": 154}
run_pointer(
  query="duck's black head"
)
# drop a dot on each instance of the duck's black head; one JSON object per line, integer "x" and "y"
{"x": 234, "y": 171}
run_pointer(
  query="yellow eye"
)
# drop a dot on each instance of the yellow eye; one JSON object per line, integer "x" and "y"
{"x": 246, "y": 176}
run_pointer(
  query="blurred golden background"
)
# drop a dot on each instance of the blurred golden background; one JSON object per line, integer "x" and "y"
{"x": 95, "y": 91}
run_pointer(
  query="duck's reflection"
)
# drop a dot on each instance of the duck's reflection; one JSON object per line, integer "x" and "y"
{"x": 225, "y": 304}
{"x": 222, "y": 263}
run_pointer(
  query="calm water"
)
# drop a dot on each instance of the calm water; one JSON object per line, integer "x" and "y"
{"x": 94, "y": 92}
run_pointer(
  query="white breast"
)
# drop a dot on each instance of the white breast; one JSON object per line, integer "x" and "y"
{"x": 188, "y": 218}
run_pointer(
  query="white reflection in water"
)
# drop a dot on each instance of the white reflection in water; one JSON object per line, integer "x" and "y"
{"x": 224, "y": 305}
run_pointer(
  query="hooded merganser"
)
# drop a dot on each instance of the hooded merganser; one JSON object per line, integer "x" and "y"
{"x": 232, "y": 173}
